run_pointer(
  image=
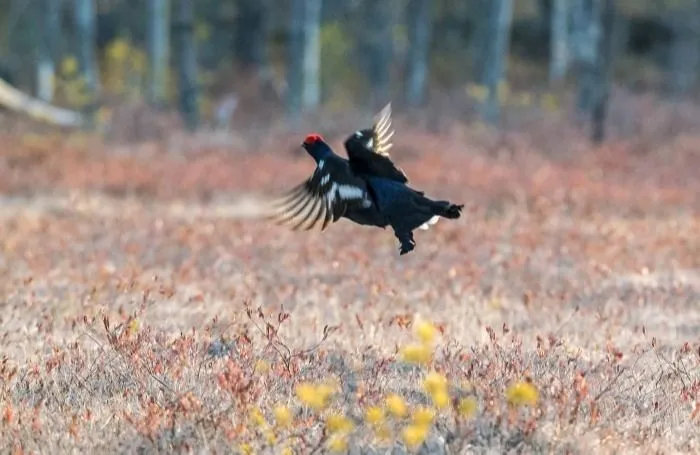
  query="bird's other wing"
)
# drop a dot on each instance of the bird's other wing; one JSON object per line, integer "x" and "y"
{"x": 324, "y": 197}
{"x": 382, "y": 131}
{"x": 368, "y": 150}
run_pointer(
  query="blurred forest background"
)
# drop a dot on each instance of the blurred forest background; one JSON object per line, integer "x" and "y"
{"x": 135, "y": 68}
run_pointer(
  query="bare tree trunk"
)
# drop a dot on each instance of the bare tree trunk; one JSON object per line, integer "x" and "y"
{"x": 85, "y": 31}
{"x": 501, "y": 16}
{"x": 187, "y": 64}
{"x": 592, "y": 39}
{"x": 419, "y": 31}
{"x": 380, "y": 49}
{"x": 684, "y": 52}
{"x": 603, "y": 68}
{"x": 251, "y": 32}
{"x": 158, "y": 41}
{"x": 479, "y": 39}
{"x": 559, "y": 40}
{"x": 586, "y": 34}
{"x": 304, "y": 69}
{"x": 49, "y": 12}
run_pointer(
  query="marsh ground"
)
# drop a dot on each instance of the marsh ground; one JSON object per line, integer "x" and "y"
{"x": 126, "y": 278}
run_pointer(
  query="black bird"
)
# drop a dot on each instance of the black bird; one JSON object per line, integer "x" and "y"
{"x": 367, "y": 188}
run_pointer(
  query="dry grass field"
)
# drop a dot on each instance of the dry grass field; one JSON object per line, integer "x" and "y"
{"x": 147, "y": 309}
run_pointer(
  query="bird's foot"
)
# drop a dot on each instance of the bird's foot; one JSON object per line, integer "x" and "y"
{"x": 406, "y": 247}
{"x": 407, "y": 242}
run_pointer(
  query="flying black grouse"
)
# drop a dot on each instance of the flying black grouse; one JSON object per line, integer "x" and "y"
{"x": 367, "y": 188}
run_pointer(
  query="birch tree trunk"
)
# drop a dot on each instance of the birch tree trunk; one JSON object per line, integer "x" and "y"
{"x": 585, "y": 37}
{"x": 501, "y": 16}
{"x": 559, "y": 40}
{"x": 85, "y": 31}
{"x": 187, "y": 64}
{"x": 49, "y": 15}
{"x": 684, "y": 52}
{"x": 419, "y": 31}
{"x": 304, "y": 54}
{"x": 479, "y": 39}
{"x": 158, "y": 42}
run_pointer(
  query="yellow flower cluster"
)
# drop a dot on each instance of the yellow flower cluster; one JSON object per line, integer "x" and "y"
{"x": 317, "y": 397}
{"x": 522, "y": 394}
{"x": 396, "y": 405}
{"x": 466, "y": 407}
{"x": 283, "y": 416}
{"x": 339, "y": 427}
{"x": 435, "y": 385}
{"x": 394, "y": 417}
{"x": 420, "y": 353}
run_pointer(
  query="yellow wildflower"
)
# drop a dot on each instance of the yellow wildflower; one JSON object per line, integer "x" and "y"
{"x": 441, "y": 399}
{"x": 257, "y": 417}
{"x": 246, "y": 449}
{"x": 434, "y": 382}
{"x": 374, "y": 415}
{"x": 396, "y": 405}
{"x": 338, "y": 423}
{"x": 133, "y": 327}
{"x": 466, "y": 407}
{"x": 312, "y": 396}
{"x": 416, "y": 353}
{"x": 522, "y": 393}
{"x": 423, "y": 416}
{"x": 425, "y": 331}
{"x": 414, "y": 435}
{"x": 287, "y": 451}
{"x": 283, "y": 416}
{"x": 270, "y": 437}
{"x": 338, "y": 443}
{"x": 261, "y": 366}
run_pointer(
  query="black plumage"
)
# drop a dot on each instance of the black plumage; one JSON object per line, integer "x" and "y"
{"x": 367, "y": 188}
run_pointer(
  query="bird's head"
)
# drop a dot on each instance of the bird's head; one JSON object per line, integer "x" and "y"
{"x": 361, "y": 139}
{"x": 316, "y": 146}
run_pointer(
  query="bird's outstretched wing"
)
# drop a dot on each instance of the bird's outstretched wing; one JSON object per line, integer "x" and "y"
{"x": 382, "y": 132}
{"x": 368, "y": 149}
{"x": 324, "y": 197}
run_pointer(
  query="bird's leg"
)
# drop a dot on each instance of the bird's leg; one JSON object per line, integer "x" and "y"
{"x": 407, "y": 242}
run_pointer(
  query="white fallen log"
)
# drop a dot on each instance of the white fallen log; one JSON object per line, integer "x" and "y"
{"x": 20, "y": 102}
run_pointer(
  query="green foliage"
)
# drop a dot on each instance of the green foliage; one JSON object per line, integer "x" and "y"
{"x": 71, "y": 87}
{"x": 340, "y": 81}
{"x": 202, "y": 31}
{"x": 548, "y": 101}
{"x": 123, "y": 69}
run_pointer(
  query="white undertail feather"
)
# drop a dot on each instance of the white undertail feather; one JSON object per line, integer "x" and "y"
{"x": 425, "y": 226}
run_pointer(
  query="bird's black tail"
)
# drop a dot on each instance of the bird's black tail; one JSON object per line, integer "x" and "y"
{"x": 447, "y": 209}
